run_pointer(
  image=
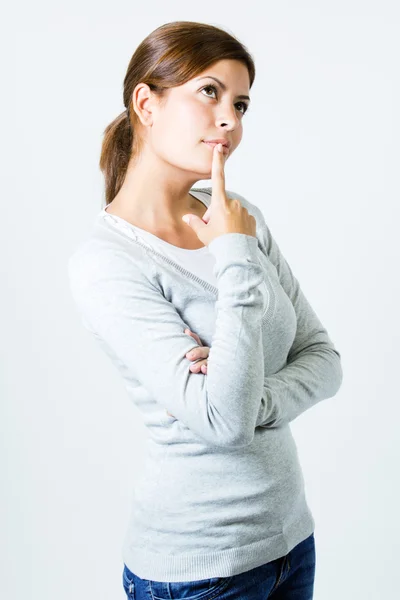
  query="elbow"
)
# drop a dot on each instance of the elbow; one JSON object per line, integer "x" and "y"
{"x": 224, "y": 430}
{"x": 226, "y": 438}
{"x": 238, "y": 443}
{"x": 338, "y": 371}
{"x": 334, "y": 374}
{"x": 230, "y": 434}
{"x": 240, "y": 440}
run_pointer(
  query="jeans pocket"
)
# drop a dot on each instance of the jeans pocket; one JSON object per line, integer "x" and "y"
{"x": 201, "y": 589}
{"x": 128, "y": 583}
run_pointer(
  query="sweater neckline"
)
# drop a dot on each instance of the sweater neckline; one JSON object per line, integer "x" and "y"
{"x": 131, "y": 234}
{"x": 193, "y": 192}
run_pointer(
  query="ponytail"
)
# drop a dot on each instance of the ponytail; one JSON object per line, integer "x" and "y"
{"x": 115, "y": 154}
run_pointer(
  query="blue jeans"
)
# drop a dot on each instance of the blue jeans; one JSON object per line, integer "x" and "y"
{"x": 290, "y": 577}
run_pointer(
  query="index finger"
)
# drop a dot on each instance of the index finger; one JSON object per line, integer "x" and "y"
{"x": 218, "y": 174}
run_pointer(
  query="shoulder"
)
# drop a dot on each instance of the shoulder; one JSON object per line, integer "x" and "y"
{"x": 106, "y": 257}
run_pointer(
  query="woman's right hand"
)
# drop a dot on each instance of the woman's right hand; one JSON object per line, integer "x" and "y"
{"x": 224, "y": 215}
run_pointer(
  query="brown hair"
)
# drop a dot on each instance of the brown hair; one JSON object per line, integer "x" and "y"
{"x": 169, "y": 56}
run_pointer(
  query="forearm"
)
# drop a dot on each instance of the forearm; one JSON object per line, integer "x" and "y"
{"x": 313, "y": 376}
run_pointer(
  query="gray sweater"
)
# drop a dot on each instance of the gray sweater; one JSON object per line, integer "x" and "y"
{"x": 222, "y": 490}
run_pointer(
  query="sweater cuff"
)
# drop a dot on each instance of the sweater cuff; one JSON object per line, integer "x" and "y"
{"x": 228, "y": 246}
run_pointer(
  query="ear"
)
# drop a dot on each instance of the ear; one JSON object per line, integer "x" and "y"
{"x": 144, "y": 102}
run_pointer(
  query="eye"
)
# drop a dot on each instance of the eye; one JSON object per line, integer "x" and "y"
{"x": 212, "y": 87}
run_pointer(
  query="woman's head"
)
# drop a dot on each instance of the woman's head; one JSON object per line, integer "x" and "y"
{"x": 173, "y": 102}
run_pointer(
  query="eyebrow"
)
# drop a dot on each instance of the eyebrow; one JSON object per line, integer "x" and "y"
{"x": 223, "y": 86}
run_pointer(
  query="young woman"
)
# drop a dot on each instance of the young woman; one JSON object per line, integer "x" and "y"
{"x": 220, "y": 511}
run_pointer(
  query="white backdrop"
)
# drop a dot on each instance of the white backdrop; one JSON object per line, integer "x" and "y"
{"x": 319, "y": 156}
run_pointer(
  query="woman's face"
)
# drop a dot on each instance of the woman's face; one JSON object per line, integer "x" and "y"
{"x": 197, "y": 110}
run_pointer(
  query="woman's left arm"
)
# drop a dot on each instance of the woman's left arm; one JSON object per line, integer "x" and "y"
{"x": 313, "y": 371}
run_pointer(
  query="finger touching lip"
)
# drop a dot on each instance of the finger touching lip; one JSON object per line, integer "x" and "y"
{"x": 211, "y": 145}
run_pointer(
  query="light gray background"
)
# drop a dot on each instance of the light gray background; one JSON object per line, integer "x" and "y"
{"x": 319, "y": 156}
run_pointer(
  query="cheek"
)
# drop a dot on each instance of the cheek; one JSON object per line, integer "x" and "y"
{"x": 181, "y": 128}
{"x": 194, "y": 118}
{"x": 238, "y": 136}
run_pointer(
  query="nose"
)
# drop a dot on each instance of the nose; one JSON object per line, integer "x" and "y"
{"x": 228, "y": 118}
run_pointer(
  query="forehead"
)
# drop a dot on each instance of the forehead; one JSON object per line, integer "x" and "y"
{"x": 228, "y": 70}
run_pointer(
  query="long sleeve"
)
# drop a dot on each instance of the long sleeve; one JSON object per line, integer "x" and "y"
{"x": 313, "y": 371}
{"x": 122, "y": 306}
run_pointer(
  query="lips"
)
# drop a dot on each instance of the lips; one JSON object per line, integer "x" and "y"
{"x": 225, "y": 149}
{"x": 222, "y": 141}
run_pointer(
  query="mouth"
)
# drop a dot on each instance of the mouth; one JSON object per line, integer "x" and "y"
{"x": 225, "y": 149}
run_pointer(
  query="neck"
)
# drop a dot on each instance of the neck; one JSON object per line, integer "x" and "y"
{"x": 155, "y": 195}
